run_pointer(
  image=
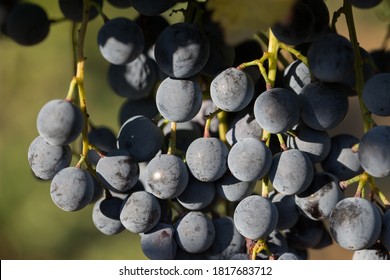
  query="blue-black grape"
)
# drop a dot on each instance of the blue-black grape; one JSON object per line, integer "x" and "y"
{"x": 103, "y": 139}
{"x": 277, "y": 110}
{"x": 232, "y": 90}
{"x": 159, "y": 242}
{"x": 151, "y": 27}
{"x": 141, "y": 137}
{"x": 105, "y": 215}
{"x": 296, "y": 76}
{"x": 179, "y": 100}
{"x": 385, "y": 233}
{"x": 287, "y": 210}
{"x": 320, "y": 198}
{"x": 232, "y": 189}
{"x": 120, "y": 3}
{"x": 72, "y": 189}
{"x": 291, "y": 172}
{"x": 305, "y": 234}
{"x": 27, "y": 24}
{"x": 323, "y": 106}
{"x": 206, "y": 159}
{"x": 376, "y": 252}
{"x": 144, "y": 106}
{"x": 364, "y": 4}
{"x": 60, "y": 122}
{"x": 120, "y": 41}
{"x": 182, "y": 50}
{"x": 255, "y": 217}
{"x": 330, "y": 57}
{"x": 186, "y": 133}
{"x": 355, "y": 223}
{"x": 195, "y": 232}
{"x": 47, "y": 160}
{"x": 376, "y": 94}
{"x": 374, "y": 151}
{"x": 73, "y": 9}
{"x": 152, "y": 7}
{"x": 197, "y": 195}
{"x": 166, "y": 176}
{"x": 341, "y": 160}
{"x": 134, "y": 80}
{"x": 321, "y": 17}
{"x": 140, "y": 212}
{"x": 249, "y": 160}
{"x": 118, "y": 171}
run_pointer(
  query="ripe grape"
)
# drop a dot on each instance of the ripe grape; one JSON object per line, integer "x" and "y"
{"x": 287, "y": 210}
{"x": 376, "y": 94}
{"x": 73, "y": 9}
{"x": 152, "y": 7}
{"x": 232, "y": 189}
{"x": 364, "y": 4}
{"x": 197, "y": 195}
{"x": 159, "y": 242}
{"x": 385, "y": 234}
{"x": 105, "y": 215}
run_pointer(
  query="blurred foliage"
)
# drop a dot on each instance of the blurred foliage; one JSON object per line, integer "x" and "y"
{"x": 31, "y": 226}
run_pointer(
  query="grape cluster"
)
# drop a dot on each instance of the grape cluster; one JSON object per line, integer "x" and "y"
{"x": 265, "y": 180}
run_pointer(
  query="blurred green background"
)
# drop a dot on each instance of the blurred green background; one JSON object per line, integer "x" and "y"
{"x": 31, "y": 226}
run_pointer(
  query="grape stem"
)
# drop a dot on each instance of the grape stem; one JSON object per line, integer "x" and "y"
{"x": 206, "y": 133}
{"x": 172, "y": 139}
{"x": 222, "y": 125}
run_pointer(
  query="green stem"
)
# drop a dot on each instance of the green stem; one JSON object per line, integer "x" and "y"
{"x": 172, "y": 140}
{"x": 206, "y": 133}
{"x": 222, "y": 125}
{"x": 294, "y": 52}
{"x": 273, "y": 48}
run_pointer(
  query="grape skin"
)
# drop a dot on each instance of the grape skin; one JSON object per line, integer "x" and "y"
{"x": 296, "y": 76}
{"x": 152, "y": 7}
{"x": 249, "y": 160}
{"x": 243, "y": 126}
{"x": 72, "y": 189}
{"x": 60, "y": 122}
{"x": 364, "y": 4}
{"x": 120, "y": 41}
{"x": 355, "y": 223}
{"x": 179, "y": 100}
{"x": 195, "y": 232}
{"x": 374, "y": 151}
{"x": 197, "y": 195}
{"x": 206, "y": 159}
{"x": 255, "y": 217}
{"x": 181, "y": 50}
{"x": 287, "y": 210}
{"x": 385, "y": 234}
{"x": 140, "y": 212}
{"x": 232, "y": 189}
{"x": 376, "y": 252}
{"x": 47, "y": 160}
{"x": 159, "y": 243}
{"x": 376, "y": 94}
{"x": 232, "y": 90}
{"x": 73, "y": 9}
{"x": 144, "y": 106}
{"x": 166, "y": 176}
{"x": 277, "y": 110}
{"x": 105, "y": 215}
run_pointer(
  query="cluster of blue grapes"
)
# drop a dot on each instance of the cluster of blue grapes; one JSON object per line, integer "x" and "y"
{"x": 191, "y": 195}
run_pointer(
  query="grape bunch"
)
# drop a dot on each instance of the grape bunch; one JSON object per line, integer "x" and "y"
{"x": 222, "y": 153}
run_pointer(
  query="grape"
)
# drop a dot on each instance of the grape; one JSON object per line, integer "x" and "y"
{"x": 305, "y": 234}
{"x": 247, "y": 51}
{"x": 117, "y": 171}
{"x": 140, "y": 212}
{"x": 330, "y": 57}
{"x": 72, "y": 189}
{"x": 206, "y": 159}
{"x": 341, "y": 160}
{"x": 277, "y": 110}
{"x": 105, "y": 215}
{"x": 120, "y": 3}
{"x": 291, "y": 172}
{"x": 141, "y": 137}
{"x": 195, "y": 232}
{"x": 320, "y": 198}
{"x": 255, "y": 217}
{"x": 59, "y": 122}
{"x": 228, "y": 241}
{"x": 152, "y": 7}
{"x": 243, "y": 126}
{"x": 47, "y": 160}
{"x": 27, "y": 24}
{"x": 297, "y": 27}
{"x": 249, "y": 160}
{"x": 144, "y": 106}
{"x": 197, "y": 195}
{"x": 159, "y": 242}
{"x": 207, "y": 108}
{"x": 186, "y": 133}
{"x": 277, "y": 245}
{"x": 374, "y": 151}
{"x": 376, "y": 252}
{"x": 321, "y": 17}
{"x": 166, "y": 176}
{"x": 289, "y": 257}
{"x": 120, "y": 41}
{"x": 232, "y": 189}
{"x": 103, "y": 139}
{"x": 323, "y": 106}
{"x": 355, "y": 223}
{"x": 287, "y": 210}
{"x": 182, "y": 50}
{"x": 385, "y": 234}
{"x": 316, "y": 144}
{"x": 151, "y": 27}
{"x": 232, "y": 90}
{"x": 179, "y": 100}
{"x": 134, "y": 80}
{"x": 364, "y": 4}
{"x": 376, "y": 94}
{"x": 73, "y": 9}
{"x": 296, "y": 76}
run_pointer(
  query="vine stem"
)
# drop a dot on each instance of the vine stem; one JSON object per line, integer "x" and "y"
{"x": 172, "y": 139}
{"x": 273, "y": 48}
{"x": 206, "y": 133}
{"x": 80, "y": 79}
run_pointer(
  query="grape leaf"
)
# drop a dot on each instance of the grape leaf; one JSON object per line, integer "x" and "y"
{"x": 240, "y": 19}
